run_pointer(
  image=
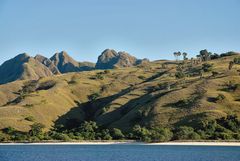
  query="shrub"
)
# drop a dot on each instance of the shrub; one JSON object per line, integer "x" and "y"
{"x": 207, "y": 67}
{"x": 60, "y": 136}
{"x": 230, "y": 53}
{"x": 3, "y": 137}
{"x": 142, "y": 77}
{"x": 36, "y": 129}
{"x": 220, "y": 97}
{"x": 141, "y": 133}
{"x": 231, "y": 86}
{"x": 161, "y": 134}
{"x": 30, "y": 118}
{"x": 179, "y": 75}
{"x": 105, "y": 135}
{"x": 117, "y": 134}
{"x": 93, "y": 96}
{"x": 46, "y": 85}
{"x": 9, "y": 130}
{"x": 214, "y": 73}
{"x": 28, "y": 105}
{"x": 107, "y": 71}
{"x": 186, "y": 133}
{"x": 236, "y": 60}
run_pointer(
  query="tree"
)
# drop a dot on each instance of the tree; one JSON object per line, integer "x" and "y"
{"x": 93, "y": 96}
{"x": 105, "y": 135}
{"x": 231, "y": 63}
{"x": 177, "y": 54}
{"x": 205, "y": 55}
{"x": 36, "y": 129}
{"x": 88, "y": 130}
{"x": 185, "y": 133}
{"x": 179, "y": 75}
{"x": 184, "y": 55}
{"x": 117, "y": 134}
{"x": 141, "y": 133}
{"x": 161, "y": 134}
{"x": 207, "y": 67}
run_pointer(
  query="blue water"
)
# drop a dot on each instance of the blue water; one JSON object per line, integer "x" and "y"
{"x": 117, "y": 153}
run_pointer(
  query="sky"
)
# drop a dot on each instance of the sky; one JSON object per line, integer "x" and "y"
{"x": 151, "y": 29}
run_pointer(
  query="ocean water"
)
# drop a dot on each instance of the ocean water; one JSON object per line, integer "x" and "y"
{"x": 117, "y": 153}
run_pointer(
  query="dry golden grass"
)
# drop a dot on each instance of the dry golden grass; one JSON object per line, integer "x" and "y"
{"x": 128, "y": 96}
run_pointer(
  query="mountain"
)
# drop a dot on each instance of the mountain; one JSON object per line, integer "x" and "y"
{"x": 66, "y": 64}
{"x": 110, "y": 59}
{"x": 22, "y": 67}
{"x": 155, "y": 97}
{"x": 48, "y": 63}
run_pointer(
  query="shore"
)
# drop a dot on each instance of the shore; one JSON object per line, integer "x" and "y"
{"x": 187, "y": 143}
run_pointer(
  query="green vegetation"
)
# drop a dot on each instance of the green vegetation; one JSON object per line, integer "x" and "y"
{"x": 225, "y": 128}
{"x": 207, "y": 67}
{"x": 30, "y": 118}
{"x": 195, "y": 99}
{"x": 94, "y": 96}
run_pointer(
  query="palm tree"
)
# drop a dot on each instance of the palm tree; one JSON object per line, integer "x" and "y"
{"x": 184, "y": 55}
{"x": 177, "y": 54}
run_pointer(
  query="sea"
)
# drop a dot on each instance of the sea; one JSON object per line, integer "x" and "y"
{"x": 118, "y": 152}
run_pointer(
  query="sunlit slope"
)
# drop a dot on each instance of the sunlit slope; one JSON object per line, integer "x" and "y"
{"x": 148, "y": 95}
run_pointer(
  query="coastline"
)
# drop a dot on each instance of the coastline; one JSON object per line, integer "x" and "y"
{"x": 177, "y": 143}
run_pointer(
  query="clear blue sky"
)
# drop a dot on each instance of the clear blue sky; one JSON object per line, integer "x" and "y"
{"x": 144, "y": 28}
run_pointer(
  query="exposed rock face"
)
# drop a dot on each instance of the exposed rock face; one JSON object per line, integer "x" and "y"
{"x": 110, "y": 59}
{"x": 25, "y": 67}
{"x": 48, "y": 63}
{"x": 66, "y": 64}
{"x": 22, "y": 67}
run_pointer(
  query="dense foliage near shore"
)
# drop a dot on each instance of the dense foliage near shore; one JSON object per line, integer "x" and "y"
{"x": 226, "y": 128}
{"x": 189, "y": 99}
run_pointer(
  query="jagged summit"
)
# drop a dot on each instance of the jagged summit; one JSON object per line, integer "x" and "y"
{"x": 48, "y": 63}
{"x": 22, "y": 67}
{"x": 66, "y": 63}
{"x": 110, "y": 59}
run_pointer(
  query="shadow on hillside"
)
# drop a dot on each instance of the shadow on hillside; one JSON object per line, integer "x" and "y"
{"x": 135, "y": 107}
{"x": 86, "y": 111}
{"x": 155, "y": 76}
{"x": 193, "y": 120}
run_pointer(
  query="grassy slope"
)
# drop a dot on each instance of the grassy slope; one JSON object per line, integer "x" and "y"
{"x": 125, "y": 98}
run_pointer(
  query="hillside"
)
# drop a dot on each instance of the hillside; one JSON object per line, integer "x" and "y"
{"x": 22, "y": 67}
{"x": 150, "y": 95}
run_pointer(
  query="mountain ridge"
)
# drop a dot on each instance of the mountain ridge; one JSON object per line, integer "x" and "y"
{"x": 59, "y": 63}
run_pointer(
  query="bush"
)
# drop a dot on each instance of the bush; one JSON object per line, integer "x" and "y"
{"x": 179, "y": 75}
{"x": 142, "y": 77}
{"x": 186, "y": 133}
{"x": 36, "y": 129}
{"x": 46, "y": 85}
{"x": 107, "y": 71}
{"x": 94, "y": 96}
{"x": 207, "y": 67}
{"x": 236, "y": 60}
{"x": 161, "y": 134}
{"x": 105, "y": 135}
{"x": 214, "y": 73}
{"x": 117, "y": 134}
{"x": 141, "y": 133}
{"x": 220, "y": 97}
{"x": 60, "y": 136}
{"x": 30, "y": 118}
{"x": 3, "y": 137}
{"x": 230, "y": 53}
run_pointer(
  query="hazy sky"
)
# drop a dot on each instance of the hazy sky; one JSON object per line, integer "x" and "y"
{"x": 144, "y": 28}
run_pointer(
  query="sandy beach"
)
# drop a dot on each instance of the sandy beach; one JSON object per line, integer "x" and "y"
{"x": 131, "y": 143}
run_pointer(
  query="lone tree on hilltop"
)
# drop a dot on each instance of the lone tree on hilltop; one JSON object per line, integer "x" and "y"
{"x": 184, "y": 54}
{"x": 177, "y": 54}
